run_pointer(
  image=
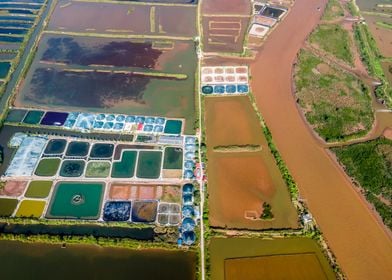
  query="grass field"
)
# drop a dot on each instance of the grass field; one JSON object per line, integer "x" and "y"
{"x": 30, "y": 208}
{"x": 98, "y": 169}
{"x": 38, "y": 189}
{"x": 251, "y": 259}
{"x": 370, "y": 164}
{"x": 337, "y": 105}
{"x": 333, "y": 39}
{"x": 47, "y": 167}
{"x": 333, "y": 10}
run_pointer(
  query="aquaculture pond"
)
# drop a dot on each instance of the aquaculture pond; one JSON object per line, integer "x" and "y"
{"x": 38, "y": 189}
{"x": 125, "y": 168}
{"x": 101, "y": 75}
{"x": 13, "y": 31}
{"x": 98, "y": 169}
{"x": 77, "y": 149}
{"x": 173, "y": 158}
{"x": 11, "y": 39}
{"x": 33, "y": 117}
{"x": 55, "y": 146}
{"x": 253, "y": 259}
{"x": 76, "y": 200}
{"x": 7, "y": 206}
{"x": 72, "y": 168}
{"x": 81, "y": 262}
{"x": 16, "y": 115}
{"x": 144, "y": 211}
{"x": 149, "y": 164}
{"x": 4, "y": 68}
{"x": 173, "y": 127}
{"x": 100, "y": 150}
{"x": 47, "y": 167}
{"x": 30, "y": 208}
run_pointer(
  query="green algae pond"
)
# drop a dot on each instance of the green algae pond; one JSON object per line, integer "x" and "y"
{"x": 149, "y": 164}
{"x": 126, "y": 167}
{"x": 38, "y": 189}
{"x": 44, "y": 261}
{"x": 76, "y": 200}
{"x": 47, "y": 167}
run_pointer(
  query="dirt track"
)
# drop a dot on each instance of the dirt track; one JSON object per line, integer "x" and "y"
{"x": 362, "y": 246}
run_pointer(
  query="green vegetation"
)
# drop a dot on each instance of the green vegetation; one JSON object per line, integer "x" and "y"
{"x": 98, "y": 169}
{"x": 267, "y": 212}
{"x": 352, "y": 8}
{"x": 384, "y": 24}
{"x": 47, "y": 167}
{"x": 38, "y": 189}
{"x": 333, "y": 39}
{"x": 336, "y": 104}
{"x": 238, "y": 148}
{"x": 333, "y": 10}
{"x": 370, "y": 164}
{"x": 372, "y": 57}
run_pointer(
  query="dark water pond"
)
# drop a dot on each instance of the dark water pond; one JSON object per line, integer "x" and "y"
{"x": 42, "y": 261}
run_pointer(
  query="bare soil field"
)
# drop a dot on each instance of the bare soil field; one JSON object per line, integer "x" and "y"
{"x": 360, "y": 243}
{"x": 124, "y": 18}
{"x": 241, "y": 128}
{"x": 225, "y": 24}
{"x": 125, "y": 191}
{"x": 239, "y": 183}
{"x": 13, "y": 188}
{"x": 224, "y": 34}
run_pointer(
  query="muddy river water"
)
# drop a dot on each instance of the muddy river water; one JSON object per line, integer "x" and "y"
{"x": 361, "y": 244}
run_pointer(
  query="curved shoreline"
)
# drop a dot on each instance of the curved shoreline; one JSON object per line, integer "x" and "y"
{"x": 361, "y": 245}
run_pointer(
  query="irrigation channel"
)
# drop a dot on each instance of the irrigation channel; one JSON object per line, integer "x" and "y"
{"x": 360, "y": 242}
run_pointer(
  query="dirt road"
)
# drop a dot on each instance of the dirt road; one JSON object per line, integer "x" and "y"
{"x": 362, "y": 246}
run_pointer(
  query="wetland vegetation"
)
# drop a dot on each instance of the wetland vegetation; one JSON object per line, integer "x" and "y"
{"x": 336, "y": 104}
{"x": 370, "y": 165}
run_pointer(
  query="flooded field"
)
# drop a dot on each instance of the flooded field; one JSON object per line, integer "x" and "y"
{"x": 240, "y": 182}
{"x": 100, "y": 74}
{"x": 251, "y": 259}
{"x": 224, "y": 25}
{"x": 124, "y": 18}
{"x": 361, "y": 245}
{"x": 41, "y": 261}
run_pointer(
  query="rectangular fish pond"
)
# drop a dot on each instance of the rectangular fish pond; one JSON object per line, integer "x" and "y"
{"x": 77, "y": 200}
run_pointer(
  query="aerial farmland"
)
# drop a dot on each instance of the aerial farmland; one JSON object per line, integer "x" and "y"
{"x": 195, "y": 140}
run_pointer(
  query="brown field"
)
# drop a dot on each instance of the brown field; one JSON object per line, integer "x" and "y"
{"x": 224, "y": 34}
{"x": 13, "y": 188}
{"x": 241, "y": 182}
{"x": 226, "y": 7}
{"x": 362, "y": 246}
{"x": 171, "y": 173}
{"x": 296, "y": 267}
{"x": 241, "y": 128}
{"x": 124, "y": 18}
{"x": 124, "y": 191}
